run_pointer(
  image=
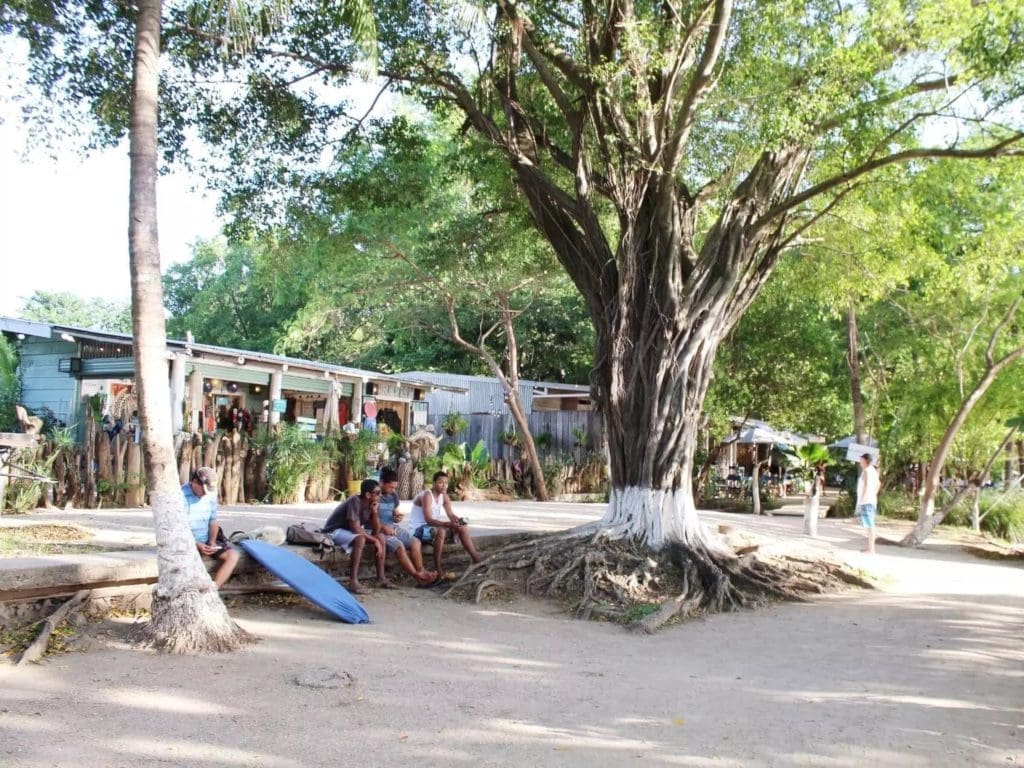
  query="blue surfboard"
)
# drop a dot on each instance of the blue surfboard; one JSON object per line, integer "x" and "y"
{"x": 308, "y": 580}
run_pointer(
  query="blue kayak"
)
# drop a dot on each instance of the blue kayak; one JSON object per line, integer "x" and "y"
{"x": 308, "y": 580}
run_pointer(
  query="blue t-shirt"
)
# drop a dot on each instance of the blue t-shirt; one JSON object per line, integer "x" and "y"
{"x": 386, "y": 511}
{"x": 200, "y": 512}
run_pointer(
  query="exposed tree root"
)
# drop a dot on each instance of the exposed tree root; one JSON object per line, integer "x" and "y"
{"x": 598, "y": 576}
{"x": 192, "y": 622}
{"x": 37, "y": 649}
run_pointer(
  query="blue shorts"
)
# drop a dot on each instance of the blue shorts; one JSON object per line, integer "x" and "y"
{"x": 867, "y": 515}
{"x": 401, "y": 540}
{"x": 424, "y": 533}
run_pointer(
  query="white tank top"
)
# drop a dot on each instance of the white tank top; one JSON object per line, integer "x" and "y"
{"x": 416, "y": 518}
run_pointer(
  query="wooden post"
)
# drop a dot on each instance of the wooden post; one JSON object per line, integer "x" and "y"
{"x": 120, "y": 446}
{"x": 177, "y": 393}
{"x": 90, "y": 464}
{"x": 275, "y": 394}
{"x": 104, "y": 474}
{"x": 135, "y": 489}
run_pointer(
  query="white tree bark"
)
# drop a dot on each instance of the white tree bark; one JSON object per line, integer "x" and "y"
{"x": 654, "y": 516}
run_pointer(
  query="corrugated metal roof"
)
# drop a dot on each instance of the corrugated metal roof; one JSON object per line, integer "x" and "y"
{"x": 485, "y": 394}
{"x": 54, "y": 330}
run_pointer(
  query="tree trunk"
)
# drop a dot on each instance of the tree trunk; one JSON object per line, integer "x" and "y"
{"x": 188, "y": 614}
{"x": 926, "y": 515}
{"x": 853, "y": 363}
{"x": 976, "y": 510}
{"x": 660, "y": 311}
{"x": 755, "y": 482}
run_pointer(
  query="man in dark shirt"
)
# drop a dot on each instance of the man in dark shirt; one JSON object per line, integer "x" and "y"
{"x": 354, "y": 522}
{"x": 347, "y": 524}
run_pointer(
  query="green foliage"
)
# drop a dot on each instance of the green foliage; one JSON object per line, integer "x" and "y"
{"x": 25, "y": 493}
{"x": 454, "y": 424}
{"x": 228, "y": 295}
{"x": 69, "y": 309}
{"x": 429, "y": 465}
{"x": 1001, "y": 512}
{"x": 291, "y": 458}
{"x": 356, "y": 448}
{"x": 510, "y": 437}
{"x": 10, "y": 385}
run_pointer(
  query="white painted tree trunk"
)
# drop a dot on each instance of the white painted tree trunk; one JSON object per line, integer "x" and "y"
{"x": 655, "y": 516}
{"x": 812, "y": 510}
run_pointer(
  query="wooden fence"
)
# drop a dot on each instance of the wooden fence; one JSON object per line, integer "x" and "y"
{"x": 551, "y": 430}
{"x": 105, "y": 472}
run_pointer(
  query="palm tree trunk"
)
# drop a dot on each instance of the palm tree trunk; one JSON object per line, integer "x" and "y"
{"x": 188, "y": 614}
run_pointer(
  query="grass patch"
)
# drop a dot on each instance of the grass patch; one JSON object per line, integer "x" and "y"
{"x": 45, "y": 539}
{"x": 639, "y": 612}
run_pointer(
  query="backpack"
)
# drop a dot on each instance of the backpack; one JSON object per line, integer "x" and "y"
{"x": 305, "y": 536}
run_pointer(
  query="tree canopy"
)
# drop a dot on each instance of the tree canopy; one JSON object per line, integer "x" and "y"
{"x": 70, "y": 309}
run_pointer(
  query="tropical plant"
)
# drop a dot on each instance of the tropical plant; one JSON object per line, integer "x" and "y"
{"x": 454, "y": 423}
{"x": 809, "y": 457}
{"x": 509, "y": 437}
{"x": 291, "y": 459}
{"x": 355, "y": 449}
{"x": 429, "y": 465}
{"x": 10, "y": 385}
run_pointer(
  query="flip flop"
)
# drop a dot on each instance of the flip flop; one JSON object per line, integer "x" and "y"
{"x": 435, "y": 583}
{"x": 386, "y": 585}
{"x": 360, "y": 590}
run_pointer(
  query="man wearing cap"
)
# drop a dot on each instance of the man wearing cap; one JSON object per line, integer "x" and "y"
{"x": 200, "y": 494}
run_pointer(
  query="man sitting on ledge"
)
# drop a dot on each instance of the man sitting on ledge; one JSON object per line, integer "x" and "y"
{"x": 426, "y": 524}
{"x": 354, "y": 523}
{"x": 200, "y": 494}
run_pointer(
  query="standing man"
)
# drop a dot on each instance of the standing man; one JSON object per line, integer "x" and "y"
{"x": 867, "y": 498}
{"x": 200, "y": 494}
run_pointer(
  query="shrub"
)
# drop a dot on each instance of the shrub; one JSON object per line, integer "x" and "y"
{"x": 1002, "y": 514}
{"x": 898, "y": 505}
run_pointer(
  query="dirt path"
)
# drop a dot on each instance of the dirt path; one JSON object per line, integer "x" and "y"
{"x": 929, "y": 672}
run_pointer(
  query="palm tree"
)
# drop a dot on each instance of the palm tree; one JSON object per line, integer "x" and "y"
{"x": 188, "y": 614}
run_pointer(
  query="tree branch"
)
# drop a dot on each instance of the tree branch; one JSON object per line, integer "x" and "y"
{"x": 703, "y": 81}
{"x": 1004, "y": 148}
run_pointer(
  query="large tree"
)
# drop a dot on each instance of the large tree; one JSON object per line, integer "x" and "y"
{"x": 188, "y": 614}
{"x": 670, "y": 153}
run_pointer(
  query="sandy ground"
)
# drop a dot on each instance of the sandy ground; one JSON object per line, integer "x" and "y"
{"x": 927, "y": 672}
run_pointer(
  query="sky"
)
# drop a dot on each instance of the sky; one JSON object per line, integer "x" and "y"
{"x": 64, "y": 220}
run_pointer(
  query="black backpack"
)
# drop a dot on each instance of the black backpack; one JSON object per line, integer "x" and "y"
{"x": 304, "y": 535}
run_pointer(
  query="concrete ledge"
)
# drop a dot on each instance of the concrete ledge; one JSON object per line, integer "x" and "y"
{"x": 29, "y": 578}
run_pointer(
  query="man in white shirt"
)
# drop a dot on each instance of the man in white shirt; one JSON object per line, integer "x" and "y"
{"x": 867, "y": 498}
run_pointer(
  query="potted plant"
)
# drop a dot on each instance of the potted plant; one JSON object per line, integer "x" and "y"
{"x": 355, "y": 446}
{"x": 510, "y": 437}
{"x": 454, "y": 423}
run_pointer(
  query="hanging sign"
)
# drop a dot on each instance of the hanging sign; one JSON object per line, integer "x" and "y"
{"x": 279, "y": 406}
{"x": 854, "y": 451}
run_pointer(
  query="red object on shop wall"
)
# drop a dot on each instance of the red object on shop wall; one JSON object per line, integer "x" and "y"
{"x": 342, "y": 412}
